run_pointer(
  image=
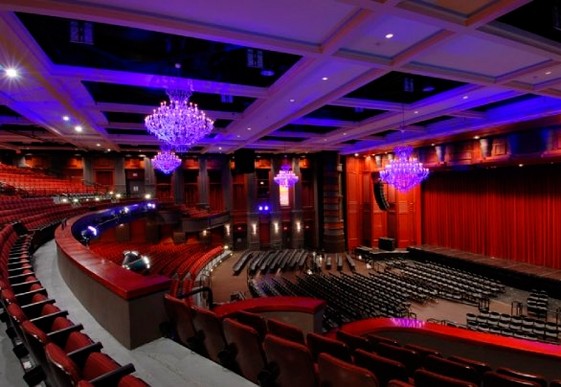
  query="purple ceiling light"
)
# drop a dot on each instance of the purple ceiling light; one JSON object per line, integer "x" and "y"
{"x": 285, "y": 177}
{"x": 404, "y": 171}
{"x": 166, "y": 161}
{"x": 179, "y": 124}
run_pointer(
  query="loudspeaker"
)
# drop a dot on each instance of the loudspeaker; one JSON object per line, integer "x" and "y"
{"x": 379, "y": 196}
{"x": 244, "y": 161}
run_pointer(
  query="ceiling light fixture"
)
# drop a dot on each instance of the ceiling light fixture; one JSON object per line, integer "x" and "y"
{"x": 166, "y": 161}
{"x": 78, "y": 128}
{"x": 389, "y": 36}
{"x": 179, "y": 124}
{"x": 11, "y": 72}
{"x": 404, "y": 171}
{"x": 285, "y": 177}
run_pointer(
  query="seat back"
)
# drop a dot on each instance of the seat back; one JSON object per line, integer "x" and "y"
{"x": 451, "y": 368}
{"x": 495, "y": 379}
{"x": 286, "y": 331}
{"x": 246, "y": 345}
{"x": 291, "y": 362}
{"x": 181, "y": 318}
{"x": 426, "y": 378}
{"x": 209, "y": 327}
{"x": 334, "y": 372}
{"x": 409, "y": 358}
{"x": 253, "y": 320}
{"x": 64, "y": 371}
{"x": 523, "y": 375}
{"x": 480, "y": 366}
{"x": 354, "y": 342}
{"x": 321, "y": 344}
{"x": 385, "y": 369}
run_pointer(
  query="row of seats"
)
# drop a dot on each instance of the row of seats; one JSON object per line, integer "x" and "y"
{"x": 50, "y": 346}
{"x": 523, "y": 327}
{"x": 273, "y": 353}
{"x": 273, "y": 261}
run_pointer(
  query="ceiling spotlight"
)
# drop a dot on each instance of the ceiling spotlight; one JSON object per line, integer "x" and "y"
{"x": 65, "y": 118}
{"x": 324, "y": 78}
{"x": 98, "y": 144}
{"x": 11, "y": 72}
{"x": 465, "y": 97}
{"x": 78, "y": 128}
{"x": 476, "y": 137}
{"x": 389, "y": 36}
{"x": 548, "y": 73}
{"x": 356, "y": 154}
{"x": 291, "y": 100}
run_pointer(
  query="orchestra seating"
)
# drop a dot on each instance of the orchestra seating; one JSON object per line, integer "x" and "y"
{"x": 44, "y": 337}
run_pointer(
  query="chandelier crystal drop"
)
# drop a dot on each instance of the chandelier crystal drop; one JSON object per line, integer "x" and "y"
{"x": 285, "y": 177}
{"x": 404, "y": 171}
{"x": 166, "y": 161}
{"x": 179, "y": 124}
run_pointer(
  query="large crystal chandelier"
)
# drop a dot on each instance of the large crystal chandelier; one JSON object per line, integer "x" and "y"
{"x": 285, "y": 177}
{"x": 404, "y": 171}
{"x": 179, "y": 124}
{"x": 166, "y": 161}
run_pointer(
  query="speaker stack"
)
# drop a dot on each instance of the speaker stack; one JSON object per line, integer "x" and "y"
{"x": 380, "y": 196}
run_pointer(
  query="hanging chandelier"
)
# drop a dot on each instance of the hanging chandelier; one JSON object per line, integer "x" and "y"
{"x": 179, "y": 124}
{"x": 166, "y": 161}
{"x": 285, "y": 177}
{"x": 404, "y": 171}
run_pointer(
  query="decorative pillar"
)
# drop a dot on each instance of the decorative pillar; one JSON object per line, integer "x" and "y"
{"x": 484, "y": 146}
{"x": 252, "y": 213}
{"x": 203, "y": 182}
{"x": 120, "y": 179}
{"x": 149, "y": 177}
{"x": 178, "y": 186}
{"x": 274, "y": 205}
{"x": 333, "y": 225}
{"x": 297, "y": 237}
{"x": 440, "y": 153}
{"x": 88, "y": 174}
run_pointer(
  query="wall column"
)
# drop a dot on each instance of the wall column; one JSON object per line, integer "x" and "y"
{"x": 203, "y": 182}
{"x": 333, "y": 225}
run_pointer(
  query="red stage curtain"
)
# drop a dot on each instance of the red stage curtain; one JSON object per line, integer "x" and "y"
{"x": 512, "y": 213}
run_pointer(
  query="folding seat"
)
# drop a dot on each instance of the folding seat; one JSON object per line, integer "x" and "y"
{"x": 208, "y": 328}
{"x": 375, "y": 340}
{"x": 422, "y": 350}
{"x": 93, "y": 366}
{"x": 321, "y": 344}
{"x": 181, "y": 319}
{"x": 425, "y": 378}
{"x": 409, "y": 358}
{"x": 257, "y": 322}
{"x": 495, "y": 379}
{"x": 451, "y": 368}
{"x": 334, "y": 372}
{"x": 290, "y": 363}
{"x": 354, "y": 342}
{"x": 245, "y": 346}
{"x": 398, "y": 383}
{"x": 385, "y": 369}
{"x": 286, "y": 331}
{"x": 522, "y": 375}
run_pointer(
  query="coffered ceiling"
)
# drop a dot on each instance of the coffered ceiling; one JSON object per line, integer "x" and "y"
{"x": 278, "y": 76}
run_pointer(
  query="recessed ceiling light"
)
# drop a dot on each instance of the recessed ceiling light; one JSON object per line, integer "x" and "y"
{"x": 78, "y": 128}
{"x": 65, "y": 118}
{"x": 389, "y": 36}
{"x": 98, "y": 144}
{"x": 432, "y": 144}
{"x": 291, "y": 100}
{"x": 356, "y": 154}
{"x": 465, "y": 97}
{"x": 249, "y": 129}
{"x": 11, "y": 72}
{"x": 476, "y": 137}
{"x": 108, "y": 149}
{"x": 345, "y": 133}
{"x": 238, "y": 136}
{"x": 520, "y": 165}
{"x": 219, "y": 148}
{"x": 548, "y": 73}
{"x": 324, "y": 78}
{"x": 416, "y": 112}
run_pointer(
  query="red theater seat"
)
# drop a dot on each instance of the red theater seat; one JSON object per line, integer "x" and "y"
{"x": 253, "y": 320}
{"x": 286, "y": 331}
{"x": 354, "y": 342}
{"x": 290, "y": 362}
{"x": 523, "y": 375}
{"x": 181, "y": 319}
{"x": 495, "y": 379}
{"x": 245, "y": 344}
{"x": 425, "y": 378}
{"x": 96, "y": 367}
{"x": 451, "y": 368}
{"x": 321, "y": 344}
{"x": 209, "y": 328}
{"x": 385, "y": 369}
{"x": 334, "y": 372}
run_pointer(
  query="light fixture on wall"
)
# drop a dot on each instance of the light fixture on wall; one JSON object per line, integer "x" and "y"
{"x": 285, "y": 177}
{"x": 166, "y": 161}
{"x": 179, "y": 124}
{"x": 404, "y": 171}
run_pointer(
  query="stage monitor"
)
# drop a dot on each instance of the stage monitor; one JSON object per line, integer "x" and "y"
{"x": 244, "y": 161}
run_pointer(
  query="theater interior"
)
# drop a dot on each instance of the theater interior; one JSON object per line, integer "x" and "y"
{"x": 280, "y": 193}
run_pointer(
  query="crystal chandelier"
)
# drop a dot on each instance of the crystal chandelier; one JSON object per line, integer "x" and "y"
{"x": 179, "y": 124}
{"x": 166, "y": 161}
{"x": 404, "y": 171}
{"x": 285, "y": 177}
